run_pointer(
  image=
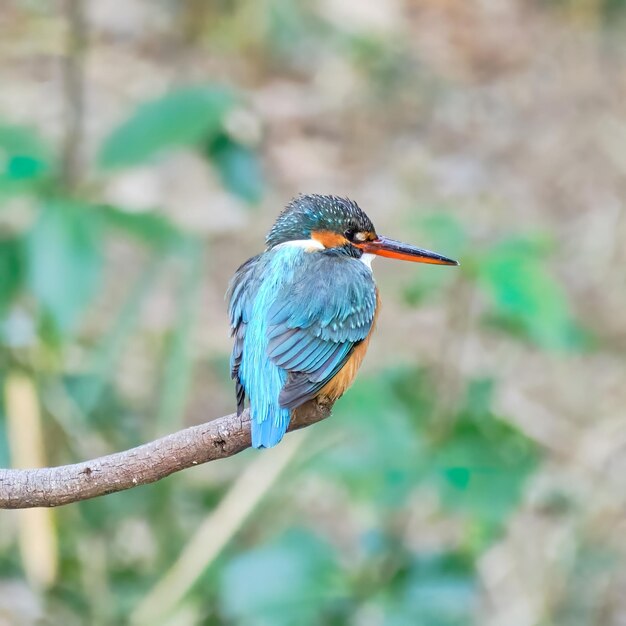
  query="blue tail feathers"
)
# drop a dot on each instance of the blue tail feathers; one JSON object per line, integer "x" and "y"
{"x": 268, "y": 432}
{"x": 261, "y": 378}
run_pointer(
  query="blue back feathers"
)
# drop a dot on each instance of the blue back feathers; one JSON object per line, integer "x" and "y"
{"x": 297, "y": 315}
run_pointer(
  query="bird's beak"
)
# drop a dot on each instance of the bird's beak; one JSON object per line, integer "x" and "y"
{"x": 383, "y": 246}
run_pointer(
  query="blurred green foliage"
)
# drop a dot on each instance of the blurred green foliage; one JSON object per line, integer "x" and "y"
{"x": 180, "y": 118}
{"x": 392, "y": 436}
{"x": 64, "y": 252}
{"x": 294, "y": 579}
{"x": 521, "y": 295}
{"x": 406, "y": 448}
{"x": 25, "y": 159}
{"x": 476, "y": 463}
{"x": 606, "y": 10}
{"x": 188, "y": 117}
{"x": 57, "y": 258}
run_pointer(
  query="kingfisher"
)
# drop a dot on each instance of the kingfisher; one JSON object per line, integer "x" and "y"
{"x": 303, "y": 311}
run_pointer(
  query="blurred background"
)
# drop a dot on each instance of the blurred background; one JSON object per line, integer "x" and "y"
{"x": 475, "y": 472}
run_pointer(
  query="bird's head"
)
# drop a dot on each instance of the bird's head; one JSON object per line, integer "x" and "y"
{"x": 329, "y": 222}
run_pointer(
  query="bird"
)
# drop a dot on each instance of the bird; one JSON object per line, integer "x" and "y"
{"x": 302, "y": 312}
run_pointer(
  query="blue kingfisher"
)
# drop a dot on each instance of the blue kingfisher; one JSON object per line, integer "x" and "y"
{"x": 302, "y": 312}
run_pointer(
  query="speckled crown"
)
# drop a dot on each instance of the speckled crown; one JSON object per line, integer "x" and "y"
{"x": 312, "y": 212}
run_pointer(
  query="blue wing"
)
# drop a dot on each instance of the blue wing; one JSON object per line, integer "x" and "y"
{"x": 317, "y": 320}
{"x": 241, "y": 294}
{"x": 296, "y": 317}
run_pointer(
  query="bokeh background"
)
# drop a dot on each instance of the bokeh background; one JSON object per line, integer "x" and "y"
{"x": 475, "y": 472}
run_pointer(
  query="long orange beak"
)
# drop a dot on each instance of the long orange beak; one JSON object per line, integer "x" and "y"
{"x": 383, "y": 246}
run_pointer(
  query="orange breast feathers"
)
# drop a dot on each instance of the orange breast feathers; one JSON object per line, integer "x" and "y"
{"x": 346, "y": 375}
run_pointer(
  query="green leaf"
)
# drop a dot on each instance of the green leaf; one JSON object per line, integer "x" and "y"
{"x": 179, "y": 118}
{"x": 5, "y": 453}
{"x": 24, "y": 159}
{"x": 483, "y": 464}
{"x": 11, "y": 270}
{"x": 151, "y": 228}
{"x": 477, "y": 462}
{"x": 64, "y": 260}
{"x": 379, "y": 455}
{"x": 288, "y": 582}
{"x": 524, "y": 294}
{"x": 440, "y": 591}
{"x": 239, "y": 168}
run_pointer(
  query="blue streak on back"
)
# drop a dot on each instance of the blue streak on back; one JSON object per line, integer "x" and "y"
{"x": 261, "y": 378}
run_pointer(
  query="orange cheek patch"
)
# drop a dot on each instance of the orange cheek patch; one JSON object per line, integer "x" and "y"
{"x": 329, "y": 239}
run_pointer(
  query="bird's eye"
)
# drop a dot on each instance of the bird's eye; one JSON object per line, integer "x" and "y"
{"x": 353, "y": 234}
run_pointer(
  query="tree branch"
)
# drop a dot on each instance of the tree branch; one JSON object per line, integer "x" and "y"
{"x": 221, "y": 438}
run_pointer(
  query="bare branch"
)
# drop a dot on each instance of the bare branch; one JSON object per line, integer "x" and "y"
{"x": 221, "y": 438}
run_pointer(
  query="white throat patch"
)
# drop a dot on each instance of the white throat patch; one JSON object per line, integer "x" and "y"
{"x": 307, "y": 244}
{"x": 310, "y": 245}
{"x": 367, "y": 259}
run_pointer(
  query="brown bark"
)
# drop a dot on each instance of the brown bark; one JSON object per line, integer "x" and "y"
{"x": 218, "y": 439}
